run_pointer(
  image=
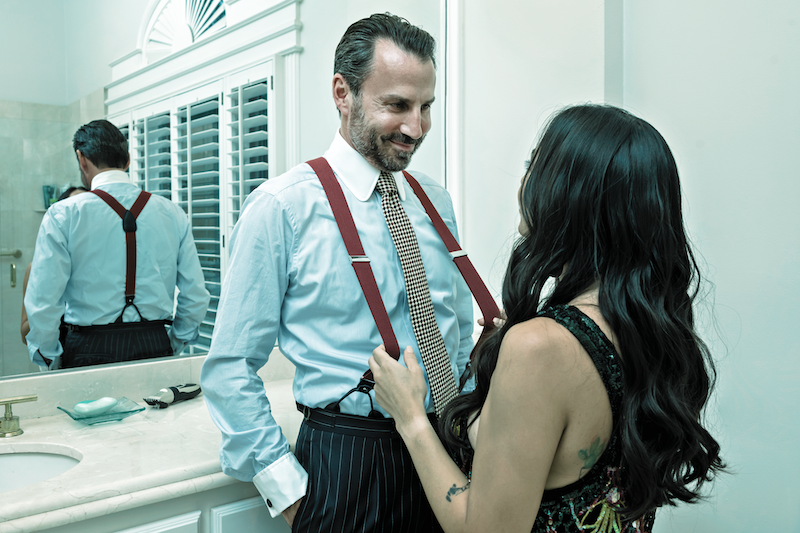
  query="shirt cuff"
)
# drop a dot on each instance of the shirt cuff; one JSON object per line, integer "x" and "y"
{"x": 55, "y": 362}
{"x": 281, "y": 484}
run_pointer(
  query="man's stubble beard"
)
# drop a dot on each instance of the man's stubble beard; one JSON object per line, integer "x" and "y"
{"x": 375, "y": 148}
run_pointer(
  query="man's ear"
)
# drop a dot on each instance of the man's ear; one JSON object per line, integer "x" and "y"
{"x": 341, "y": 91}
{"x": 82, "y": 161}
{"x": 128, "y": 164}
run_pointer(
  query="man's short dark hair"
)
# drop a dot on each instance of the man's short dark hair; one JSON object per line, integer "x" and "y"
{"x": 102, "y": 143}
{"x": 356, "y": 50}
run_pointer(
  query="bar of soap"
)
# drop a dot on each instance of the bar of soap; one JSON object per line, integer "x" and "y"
{"x": 95, "y": 407}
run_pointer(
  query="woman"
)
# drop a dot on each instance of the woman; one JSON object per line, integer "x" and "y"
{"x": 586, "y": 412}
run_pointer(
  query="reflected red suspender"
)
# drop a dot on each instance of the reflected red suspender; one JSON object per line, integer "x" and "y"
{"x": 129, "y": 225}
{"x": 360, "y": 262}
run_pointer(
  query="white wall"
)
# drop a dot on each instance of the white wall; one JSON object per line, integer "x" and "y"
{"x": 721, "y": 81}
{"x": 523, "y": 61}
{"x": 58, "y": 51}
{"x": 97, "y": 32}
{"x": 32, "y": 64}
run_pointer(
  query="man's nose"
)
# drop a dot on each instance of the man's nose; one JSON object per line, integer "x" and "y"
{"x": 413, "y": 125}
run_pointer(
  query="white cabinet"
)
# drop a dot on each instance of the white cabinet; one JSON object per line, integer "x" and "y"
{"x": 245, "y": 516}
{"x": 185, "y": 523}
{"x": 194, "y": 513}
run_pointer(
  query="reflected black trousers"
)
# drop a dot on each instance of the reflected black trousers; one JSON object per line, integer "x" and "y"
{"x": 114, "y": 343}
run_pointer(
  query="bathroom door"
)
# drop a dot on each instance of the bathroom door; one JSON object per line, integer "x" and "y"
{"x": 13, "y": 354}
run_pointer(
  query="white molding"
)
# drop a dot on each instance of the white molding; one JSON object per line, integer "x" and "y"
{"x": 147, "y": 22}
{"x": 275, "y": 30}
{"x": 219, "y": 514}
{"x": 291, "y": 105}
{"x": 180, "y": 73}
{"x": 613, "y": 42}
{"x": 132, "y": 53}
{"x": 176, "y": 523}
{"x": 211, "y": 38}
{"x": 292, "y": 50}
{"x": 454, "y": 111}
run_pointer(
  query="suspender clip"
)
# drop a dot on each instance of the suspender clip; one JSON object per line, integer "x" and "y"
{"x": 458, "y": 253}
{"x": 359, "y": 259}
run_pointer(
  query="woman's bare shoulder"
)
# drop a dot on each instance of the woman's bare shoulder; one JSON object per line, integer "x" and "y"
{"x": 541, "y": 350}
{"x": 540, "y": 335}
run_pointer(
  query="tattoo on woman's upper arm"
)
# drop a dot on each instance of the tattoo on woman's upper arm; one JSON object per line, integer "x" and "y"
{"x": 456, "y": 490}
{"x": 590, "y": 456}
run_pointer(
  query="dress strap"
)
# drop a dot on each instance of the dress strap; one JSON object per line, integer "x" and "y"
{"x": 597, "y": 345}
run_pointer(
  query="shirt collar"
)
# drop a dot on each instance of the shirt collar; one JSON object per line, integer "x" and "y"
{"x": 357, "y": 173}
{"x": 110, "y": 176}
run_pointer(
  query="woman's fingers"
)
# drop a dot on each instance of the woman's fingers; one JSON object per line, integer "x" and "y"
{"x": 410, "y": 358}
{"x": 498, "y": 321}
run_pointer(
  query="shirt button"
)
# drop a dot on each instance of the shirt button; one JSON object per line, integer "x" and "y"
{"x": 269, "y": 503}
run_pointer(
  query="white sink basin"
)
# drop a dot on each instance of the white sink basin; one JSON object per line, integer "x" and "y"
{"x": 25, "y": 464}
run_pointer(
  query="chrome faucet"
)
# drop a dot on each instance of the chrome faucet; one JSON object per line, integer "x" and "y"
{"x": 9, "y": 424}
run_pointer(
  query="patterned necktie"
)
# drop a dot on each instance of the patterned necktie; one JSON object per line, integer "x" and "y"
{"x": 429, "y": 338}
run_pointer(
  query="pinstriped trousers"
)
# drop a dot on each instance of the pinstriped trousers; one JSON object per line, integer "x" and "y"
{"x": 115, "y": 343}
{"x": 359, "y": 482}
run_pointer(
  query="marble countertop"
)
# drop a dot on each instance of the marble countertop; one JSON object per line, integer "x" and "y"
{"x": 151, "y": 456}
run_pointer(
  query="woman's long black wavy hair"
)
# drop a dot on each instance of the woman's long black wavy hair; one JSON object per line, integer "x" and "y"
{"x": 602, "y": 197}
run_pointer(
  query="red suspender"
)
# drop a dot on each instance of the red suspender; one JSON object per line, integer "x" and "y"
{"x": 360, "y": 262}
{"x": 486, "y": 302}
{"x": 344, "y": 219}
{"x": 129, "y": 225}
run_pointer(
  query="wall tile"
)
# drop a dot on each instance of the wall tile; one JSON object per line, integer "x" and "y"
{"x": 35, "y": 150}
{"x": 44, "y": 112}
{"x": 10, "y": 109}
{"x": 13, "y": 128}
{"x": 10, "y": 155}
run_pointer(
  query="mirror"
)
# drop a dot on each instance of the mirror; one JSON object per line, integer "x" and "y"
{"x": 56, "y": 81}
{"x": 64, "y": 79}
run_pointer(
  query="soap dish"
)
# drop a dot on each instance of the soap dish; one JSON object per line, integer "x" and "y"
{"x": 123, "y": 409}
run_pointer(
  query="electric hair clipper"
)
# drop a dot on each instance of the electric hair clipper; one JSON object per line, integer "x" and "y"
{"x": 171, "y": 395}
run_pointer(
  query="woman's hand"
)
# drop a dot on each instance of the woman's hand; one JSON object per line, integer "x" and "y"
{"x": 498, "y": 321}
{"x": 399, "y": 390}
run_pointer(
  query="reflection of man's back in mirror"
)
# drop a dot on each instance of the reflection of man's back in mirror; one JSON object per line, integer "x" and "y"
{"x": 109, "y": 262}
{"x": 290, "y": 278}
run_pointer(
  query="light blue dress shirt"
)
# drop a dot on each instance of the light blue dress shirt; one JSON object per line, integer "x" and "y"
{"x": 290, "y": 279}
{"x": 79, "y": 267}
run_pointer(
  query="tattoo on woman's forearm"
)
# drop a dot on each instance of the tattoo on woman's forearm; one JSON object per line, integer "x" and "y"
{"x": 456, "y": 490}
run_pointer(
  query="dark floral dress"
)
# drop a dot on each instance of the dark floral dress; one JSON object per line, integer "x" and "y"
{"x": 589, "y": 504}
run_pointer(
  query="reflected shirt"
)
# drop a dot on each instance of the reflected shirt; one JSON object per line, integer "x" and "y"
{"x": 79, "y": 267}
{"x": 290, "y": 279}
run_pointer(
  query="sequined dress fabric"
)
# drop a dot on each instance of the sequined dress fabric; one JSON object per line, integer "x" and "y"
{"x": 589, "y": 504}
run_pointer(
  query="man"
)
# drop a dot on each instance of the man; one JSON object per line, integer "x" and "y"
{"x": 25, "y": 327}
{"x": 108, "y": 261}
{"x": 291, "y": 278}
